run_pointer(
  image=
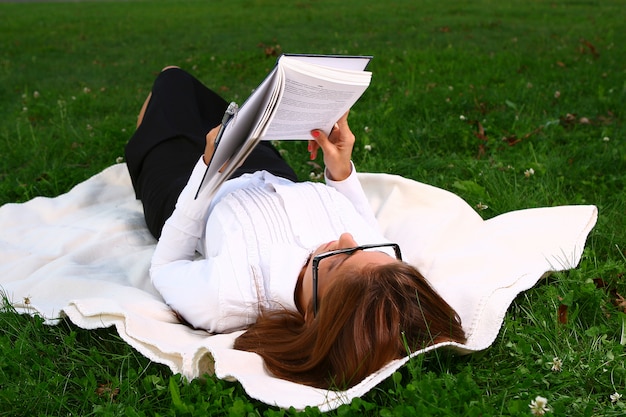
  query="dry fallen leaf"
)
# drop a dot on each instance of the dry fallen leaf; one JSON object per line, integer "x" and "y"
{"x": 482, "y": 136}
{"x": 514, "y": 140}
{"x": 270, "y": 50}
{"x": 106, "y": 390}
{"x": 589, "y": 45}
{"x": 562, "y": 314}
{"x": 620, "y": 302}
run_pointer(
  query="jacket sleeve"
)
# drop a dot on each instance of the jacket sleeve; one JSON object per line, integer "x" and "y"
{"x": 183, "y": 230}
{"x": 351, "y": 188}
{"x": 198, "y": 288}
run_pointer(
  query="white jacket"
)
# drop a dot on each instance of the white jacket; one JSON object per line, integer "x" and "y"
{"x": 254, "y": 238}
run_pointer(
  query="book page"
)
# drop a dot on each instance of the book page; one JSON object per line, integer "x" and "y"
{"x": 313, "y": 97}
{"x": 238, "y": 132}
{"x": 296, "y": 97}
{"x": 354, "y": 63}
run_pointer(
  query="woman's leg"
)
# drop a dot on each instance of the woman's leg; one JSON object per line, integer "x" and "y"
{"x": 142, "y": 112}
{"x": 170, "y": 138}
{"x": 178, "y": 105}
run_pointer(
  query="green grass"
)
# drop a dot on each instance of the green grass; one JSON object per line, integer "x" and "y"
{"x": 467, "y": 97}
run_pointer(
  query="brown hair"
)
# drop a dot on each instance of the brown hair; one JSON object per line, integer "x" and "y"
{"x": 367, "y": 318}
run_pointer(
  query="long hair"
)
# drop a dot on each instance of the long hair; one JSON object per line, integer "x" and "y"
{"x": 367, "y": 317}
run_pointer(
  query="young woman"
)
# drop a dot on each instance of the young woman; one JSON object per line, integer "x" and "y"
{"x": 277, "y": 257}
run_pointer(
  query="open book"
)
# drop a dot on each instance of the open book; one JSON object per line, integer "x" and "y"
{"x": 301, "y": 93}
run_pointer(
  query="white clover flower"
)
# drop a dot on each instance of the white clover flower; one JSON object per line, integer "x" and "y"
{"x": 462, "y": 117}
{"x": 86, "y": 90}
{"x": 606, "y": 139}
{"x": 366, "y": 129}
{"x": 24, "y": 109}
{"x": 615, "y": 397}
{"x": 119, "y": 159}
{"x": 36, "y": 94}
{"x": 557, "y": 94}
{"x": 480, "y": 206}
{"x": 557, "y": 363}
{"x": 539, "y": 406}
{"x": 367, "y": 147}
{"x": 529, "y": 172}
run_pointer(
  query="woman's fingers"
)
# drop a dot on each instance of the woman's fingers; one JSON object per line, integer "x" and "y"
{"x": 337, "y": 148}
{"x": 313, "y": 148}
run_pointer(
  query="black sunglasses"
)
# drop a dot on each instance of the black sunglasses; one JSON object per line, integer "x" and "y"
{"x": 347, "y": 251}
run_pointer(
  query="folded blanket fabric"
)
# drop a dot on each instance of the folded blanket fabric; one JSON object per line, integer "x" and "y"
{"x": 85, "y": 255}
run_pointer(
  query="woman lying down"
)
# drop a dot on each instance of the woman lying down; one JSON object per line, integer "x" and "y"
{"x": 325, "y": 299}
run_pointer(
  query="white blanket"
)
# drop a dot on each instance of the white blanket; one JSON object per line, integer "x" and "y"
{"x": 85, "y": 255}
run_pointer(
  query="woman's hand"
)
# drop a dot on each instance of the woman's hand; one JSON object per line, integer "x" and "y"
{"x": 210, "y": 144}
{"x": 337, "y": 149}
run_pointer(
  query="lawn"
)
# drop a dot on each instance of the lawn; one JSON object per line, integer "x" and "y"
{"x": 510, "y": 105}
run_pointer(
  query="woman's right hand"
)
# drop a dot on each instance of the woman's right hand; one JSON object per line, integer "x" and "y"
{"x": 337, "y": 149}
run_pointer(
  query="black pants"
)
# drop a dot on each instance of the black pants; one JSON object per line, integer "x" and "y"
{"x": 164, "y": 149}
